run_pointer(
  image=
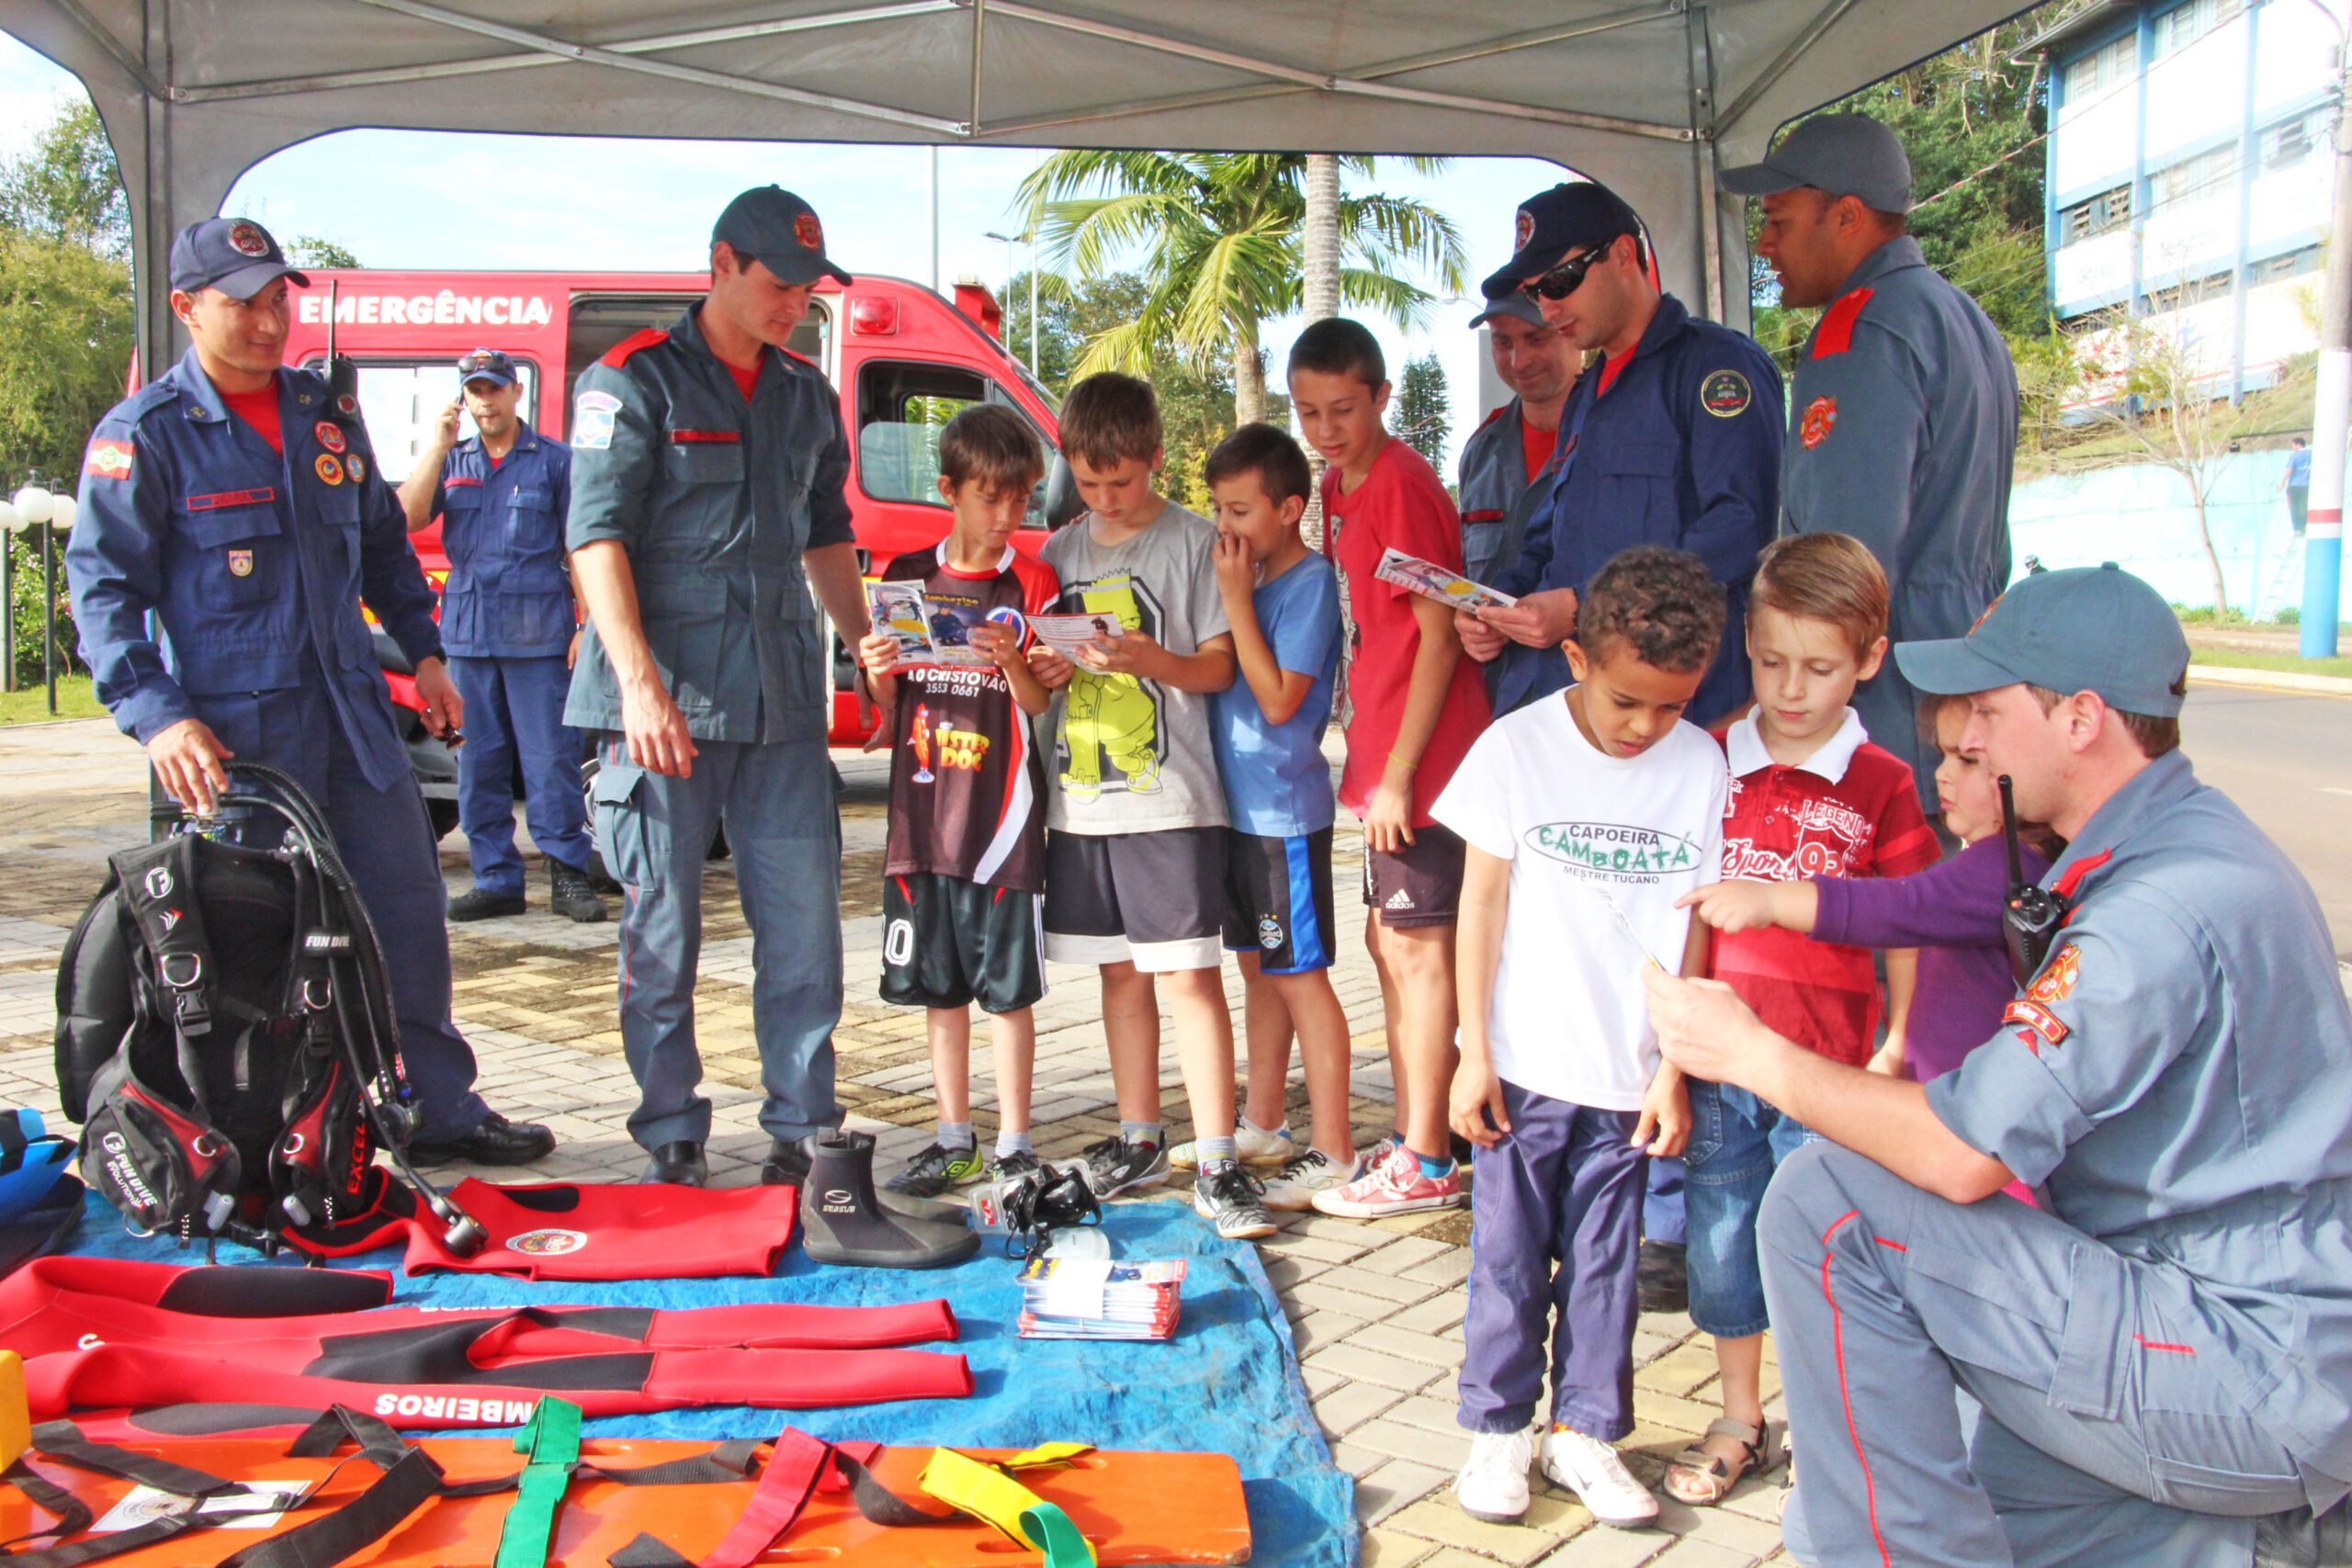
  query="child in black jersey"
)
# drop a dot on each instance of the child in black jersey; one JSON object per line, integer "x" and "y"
{"x": 967, "y": 858}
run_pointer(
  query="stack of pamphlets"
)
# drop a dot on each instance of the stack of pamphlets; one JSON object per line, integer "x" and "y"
{"x": 1098, "y": 1298}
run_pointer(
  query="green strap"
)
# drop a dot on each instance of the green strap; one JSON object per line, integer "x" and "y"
{"x": 551, "y": 1442}
{"x": 1054, "y": 1534}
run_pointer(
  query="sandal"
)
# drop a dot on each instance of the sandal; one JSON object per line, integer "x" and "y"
{"x": 1702, "y": 1480}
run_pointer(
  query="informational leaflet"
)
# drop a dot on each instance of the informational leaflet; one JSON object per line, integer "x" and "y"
{"x": 145, "y": 1505}
{"x": 1441, "y": 583}
{"x": 926, "y": 631}
{"x": 1067, "y": 634}
{"x": 1096, "y": 1298}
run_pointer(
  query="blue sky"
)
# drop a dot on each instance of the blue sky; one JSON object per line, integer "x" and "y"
{"x": 433, "y": 199}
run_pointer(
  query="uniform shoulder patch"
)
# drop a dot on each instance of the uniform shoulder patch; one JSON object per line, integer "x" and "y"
{"x": 635, "y": 343}
{"x": 2056, "y": 981}
{"x": 592, "y": 420}
{"x": 1726, "y": 394}
{"x": 110, "y": 458}
{"x": 2037, "y": 1017}
{"x": 1836, "y": 333}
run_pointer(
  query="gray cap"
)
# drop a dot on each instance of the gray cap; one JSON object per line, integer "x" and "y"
{"x": 1515, "y": 304}
{"x": 1845, "y": 154}
{"x": 782, "y": 230}
{"x": 2089, "y": 628}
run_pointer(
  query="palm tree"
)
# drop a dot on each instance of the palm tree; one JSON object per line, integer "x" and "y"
{"x": 1222, "y": 232}
{"x": 1319, "y": 239}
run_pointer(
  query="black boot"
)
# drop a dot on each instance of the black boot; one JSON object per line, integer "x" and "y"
{"x": 570, "y": 895}
{"x": 679, "y": 1165}
{"x": 842, "y": 1220}
{"x": 481, "y": 903}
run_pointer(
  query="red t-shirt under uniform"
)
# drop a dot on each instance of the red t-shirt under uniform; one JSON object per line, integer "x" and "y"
{"x": 1848, "y": 810}
{"x": 1401, "y": 504}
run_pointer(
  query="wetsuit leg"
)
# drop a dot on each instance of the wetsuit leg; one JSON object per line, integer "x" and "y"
{"x": 2099, "y": 1411}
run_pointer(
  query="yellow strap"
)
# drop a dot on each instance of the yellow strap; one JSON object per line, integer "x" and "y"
{"x": 983, "y": 1492}
{"x": 16, "y": 1423}
{"x": 1045, "y": 1454}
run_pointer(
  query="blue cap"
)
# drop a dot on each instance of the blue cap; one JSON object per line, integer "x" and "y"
{"x": 236, "y": 255}
{"x": 487, "y": 364}
{"x": 782, "y": 230}
{"x": 1578, "y": 216}
{"x": 2089, "y": 628}
{"x": 1514, "y": 304}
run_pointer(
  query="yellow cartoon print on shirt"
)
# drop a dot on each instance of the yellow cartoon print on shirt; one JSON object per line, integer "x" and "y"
{"x": 1111, "y": 719}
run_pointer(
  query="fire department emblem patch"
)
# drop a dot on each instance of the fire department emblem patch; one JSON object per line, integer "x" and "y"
{"x": 247, "y": 240}
{"x": 806, "y": 229}
{"x": 329, "y": 435}
{"x": 108, "y": 459}
{"x": 330, "y": 469}
{"x": 1524, "y": 231}
{"x": 1820, "y": 416}
{"x": 547, "y": 1243}
{"x": 2056, "y": 981}
{"x": 1726, "y": 394}
{"x": 240, "y": 563}
{"x": 356, "y": 467}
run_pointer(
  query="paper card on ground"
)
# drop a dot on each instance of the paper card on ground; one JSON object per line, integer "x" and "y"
{"x": 1067, "y": 634}
{"x": 1441, "y": 583}
{"x": 145, "y": 1505}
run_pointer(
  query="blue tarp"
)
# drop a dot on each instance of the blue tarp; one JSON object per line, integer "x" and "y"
{"x": 1228, "y": 1383}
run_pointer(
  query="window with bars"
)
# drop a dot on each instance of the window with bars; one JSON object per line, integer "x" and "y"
{"x": 2183, "y": 24}
{"x": 2084, "y": 220}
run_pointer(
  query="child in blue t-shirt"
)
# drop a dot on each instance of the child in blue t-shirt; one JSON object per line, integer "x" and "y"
{"x": 1282, "y": 600}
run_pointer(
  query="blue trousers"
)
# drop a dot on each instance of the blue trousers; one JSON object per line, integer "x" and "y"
{"x": 2102, "y": 1442}
{"x": 1665, "y": 1215}
{"x": 514, "y": 712}
{"x": 783, "y": 830}
{"x": 382, "y": 837}
{"x": 1555, "y": 1226}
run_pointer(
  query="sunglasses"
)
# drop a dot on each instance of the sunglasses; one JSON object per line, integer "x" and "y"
{"x": 1565, "y": 278}
{"x": 473, "y": 364}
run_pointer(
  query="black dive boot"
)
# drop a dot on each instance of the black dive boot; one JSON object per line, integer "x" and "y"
{"x": 842, "y": 1220}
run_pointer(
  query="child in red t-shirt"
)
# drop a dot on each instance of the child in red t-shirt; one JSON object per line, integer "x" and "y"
{"x": 1415, "y": 705}
{"x": 1810, "y": 796}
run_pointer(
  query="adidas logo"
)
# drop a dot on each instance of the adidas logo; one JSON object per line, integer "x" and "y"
{"x": 1400, "y": 900}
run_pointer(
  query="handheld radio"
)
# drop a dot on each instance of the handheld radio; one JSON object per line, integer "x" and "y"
{"x": 343, "y": 376}
{"x": 2030, "y": 914}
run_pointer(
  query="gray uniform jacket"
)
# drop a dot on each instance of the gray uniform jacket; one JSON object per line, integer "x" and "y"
{"x": 1902, "y": 430}
{"x": 715, "y": 498}
{"x": 2179, "y": 1073}
{"x": 1496, "y": 497}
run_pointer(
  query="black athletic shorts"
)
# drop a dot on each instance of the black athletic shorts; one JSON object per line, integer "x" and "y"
{"x": 947, "y": 943}
{"x": 1420, "y": 885}
{"x": 1156, "y": 899}
{"x": 1278, "y": 900}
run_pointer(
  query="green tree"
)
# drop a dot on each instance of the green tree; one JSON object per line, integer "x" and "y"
{"x": 316, "y": 250}
{"x": 1421, "y": 417}
{"x": 66, "y": 186}
{"x": 1220, "y": 233}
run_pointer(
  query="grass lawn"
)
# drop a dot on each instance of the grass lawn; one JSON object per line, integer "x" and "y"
{"x": 74, "y": 701}
{"x": 2234, "y": 660}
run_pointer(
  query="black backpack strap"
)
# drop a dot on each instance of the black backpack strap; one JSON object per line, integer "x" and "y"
{"x": 159, "y": 888}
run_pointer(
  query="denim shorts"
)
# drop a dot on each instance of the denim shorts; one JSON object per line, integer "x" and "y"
{"x": 1736, "y": 1143}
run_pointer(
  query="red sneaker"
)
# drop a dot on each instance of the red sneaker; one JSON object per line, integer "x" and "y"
{"x": 1394, "y": 1186}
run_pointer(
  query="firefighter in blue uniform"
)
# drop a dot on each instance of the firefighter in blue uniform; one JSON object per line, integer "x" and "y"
{"x": 708, "y": 466}
{"x": 1504, "y": 458}
{"x": 1673, "y": 438}
{"x": 508, "y": 623}
{"x": 230, "y": 502}
{"x": 1905, "y": 399}
{"x": 2163, "y": 1350}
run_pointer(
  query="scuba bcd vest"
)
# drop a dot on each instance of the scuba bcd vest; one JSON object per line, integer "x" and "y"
{"x": 225, "y": 1036}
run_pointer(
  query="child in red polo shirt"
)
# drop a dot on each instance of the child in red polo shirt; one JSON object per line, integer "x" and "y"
{"x": 1810, "y": 796}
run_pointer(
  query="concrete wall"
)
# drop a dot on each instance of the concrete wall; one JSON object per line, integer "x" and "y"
{"x": 2142, "y": 517}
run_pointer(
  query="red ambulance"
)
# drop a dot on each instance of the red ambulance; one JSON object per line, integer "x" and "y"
{"x": 904, "y": 358}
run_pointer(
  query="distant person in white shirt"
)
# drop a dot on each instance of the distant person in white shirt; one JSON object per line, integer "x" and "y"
{"x": 1586, "y": 814}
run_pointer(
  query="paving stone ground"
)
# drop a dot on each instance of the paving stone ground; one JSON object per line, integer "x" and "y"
{"x": 1376, "y": 1309}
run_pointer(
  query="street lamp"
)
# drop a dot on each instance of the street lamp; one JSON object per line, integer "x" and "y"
{"x": 1011, "y": 241}
{"x": 37, "y": 506}
{"x": 11, "y": 522}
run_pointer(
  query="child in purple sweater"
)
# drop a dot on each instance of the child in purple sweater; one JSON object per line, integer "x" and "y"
{"x": 1951, "y": 912}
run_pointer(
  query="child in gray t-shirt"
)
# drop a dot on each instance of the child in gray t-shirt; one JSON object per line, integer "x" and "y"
{"x": 1134, "y": 814}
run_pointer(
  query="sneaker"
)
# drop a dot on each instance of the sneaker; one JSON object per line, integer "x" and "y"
{"x": 1249, "y": 1146}
{"x": 1493, "y": 1484}
{"x": 936, "y": 1169}
{"x": 1012, "y": 1166}
{"x": 1228, "y": 1197}
{"x": 1301, "y": 1178}
{"x": 1116, "y": 1164}
{"x": 1597, "y": 1474}
{"x": 1395, "y": 1186}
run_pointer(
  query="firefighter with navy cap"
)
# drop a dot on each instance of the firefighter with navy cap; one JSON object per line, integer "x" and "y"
{"x": 507, "y": 620}
{"x": 2161, "y": 1351}
{"x": 1503, "y": 457}
{"x": 709, "y": 466}
{"x": 1672, "y": 438}
{"x": 232, "y": 524}
{"x": 1904, "y": 403}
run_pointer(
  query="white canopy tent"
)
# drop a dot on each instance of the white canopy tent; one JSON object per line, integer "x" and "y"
{"x": 1651, "y": 99}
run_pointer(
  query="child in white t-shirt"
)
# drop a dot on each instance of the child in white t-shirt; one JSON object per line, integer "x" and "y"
{"x": 1586, "y": 815}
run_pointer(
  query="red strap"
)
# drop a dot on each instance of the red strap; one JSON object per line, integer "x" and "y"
{"x": 2075, "y": 873}
{"x": 621, "y": 350}
{"x": 1836, "y": 333}
{"x": 798, "y": 1462}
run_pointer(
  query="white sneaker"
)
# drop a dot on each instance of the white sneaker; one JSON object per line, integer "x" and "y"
{"x": 1297, "y": 1183}
{"x": 1249, "y": 1146}
{"x": 1594, "y": 1471}
{"x": 1493, "y": 1484}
